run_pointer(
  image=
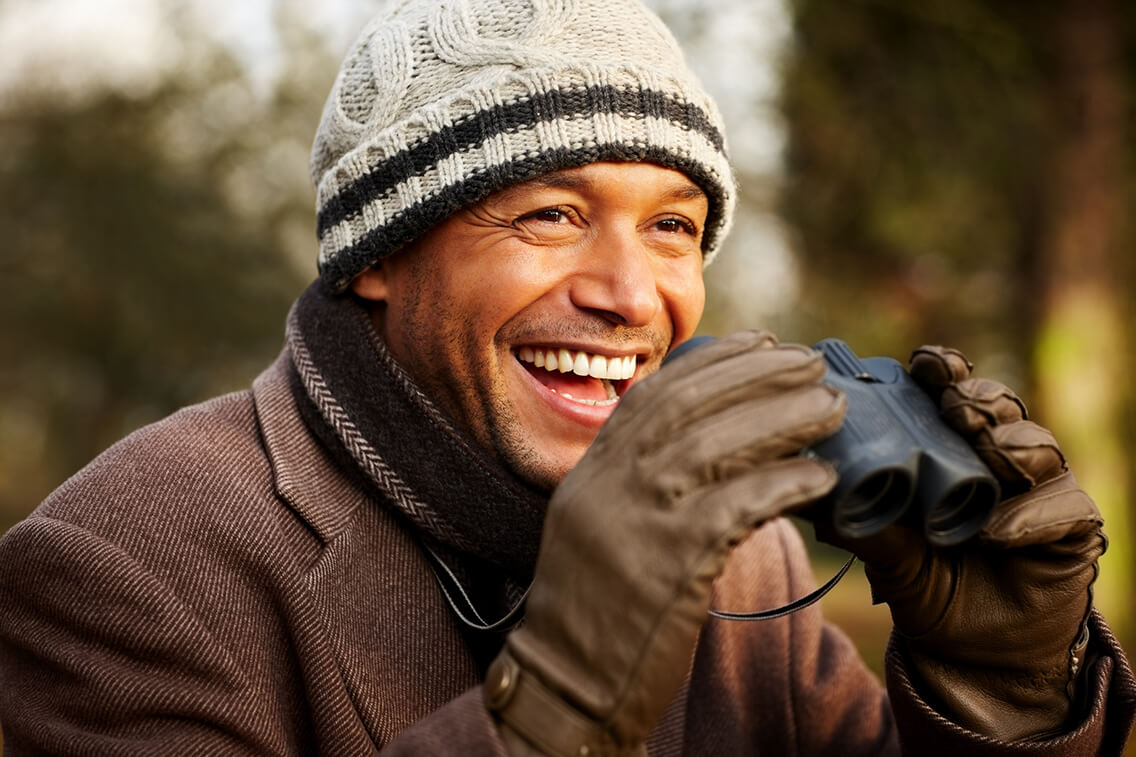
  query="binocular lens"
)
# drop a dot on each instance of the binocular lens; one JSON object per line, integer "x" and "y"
{"x": 873, "y": 503}
{"x": 961, "y": 513}
{"x": 895, "y": 452}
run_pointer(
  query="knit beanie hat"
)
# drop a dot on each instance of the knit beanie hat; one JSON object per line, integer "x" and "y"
{"x": 441, "y": 102}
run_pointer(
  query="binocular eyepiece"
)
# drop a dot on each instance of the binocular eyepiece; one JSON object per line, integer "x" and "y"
{"x": 895, "y": 457}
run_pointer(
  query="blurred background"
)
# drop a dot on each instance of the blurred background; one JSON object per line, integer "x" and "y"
{"x": 951, "y": 171}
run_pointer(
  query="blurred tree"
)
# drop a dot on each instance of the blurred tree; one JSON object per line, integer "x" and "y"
{"x": 958, "y": 172}
{"x": 141, "y": 268}
{"x": 1084, "y": 275}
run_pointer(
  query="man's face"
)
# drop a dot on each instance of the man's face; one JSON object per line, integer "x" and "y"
{"x": 594, "y": 270}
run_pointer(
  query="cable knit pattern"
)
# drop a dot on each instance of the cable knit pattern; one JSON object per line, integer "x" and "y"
{"x": 438, "y": 105}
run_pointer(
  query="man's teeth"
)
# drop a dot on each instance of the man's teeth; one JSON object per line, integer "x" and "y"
{"x": 581, "y": 363}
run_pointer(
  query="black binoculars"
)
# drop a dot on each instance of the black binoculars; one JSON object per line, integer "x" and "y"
{"x": 895, "y": 457}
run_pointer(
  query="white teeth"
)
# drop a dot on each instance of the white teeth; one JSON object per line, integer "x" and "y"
{"x": 580, "y": 363}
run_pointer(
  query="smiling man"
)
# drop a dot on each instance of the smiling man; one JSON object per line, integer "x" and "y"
{"x": 527, "y": 315}
{"x": 468, "y": 511}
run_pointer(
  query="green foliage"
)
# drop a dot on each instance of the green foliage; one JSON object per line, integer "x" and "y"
{"x": 133, "y": 284}
{"x": 916, "y": 131}
{"x": 961, "y": 172}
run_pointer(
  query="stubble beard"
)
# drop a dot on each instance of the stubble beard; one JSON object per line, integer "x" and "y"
{"x": 480, "y": 409}
{"x": 487, "y": 415}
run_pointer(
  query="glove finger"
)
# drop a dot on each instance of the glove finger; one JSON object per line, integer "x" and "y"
{"x": 732, "y": 510}
{"x": 716, "y": 350}
{"x": 737, "y": 505}
{"x": 730, "y": 444}
{"x": 668, "y": 402}
{"x": 1057, "y": 510}
{"x": 975, "y": 403}
{"x": 701, "y": 360}
{"x": 1021, "y": 455}
{"x": 935, "y": 368}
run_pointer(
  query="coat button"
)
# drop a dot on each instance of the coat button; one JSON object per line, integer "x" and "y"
{"x": 501, "y": 681}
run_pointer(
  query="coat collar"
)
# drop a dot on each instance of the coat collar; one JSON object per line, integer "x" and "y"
{"x": 304, "y": 475}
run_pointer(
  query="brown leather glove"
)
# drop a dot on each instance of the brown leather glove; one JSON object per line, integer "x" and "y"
{"x": 995, "y": 630}
{"x": 693, "y": 459}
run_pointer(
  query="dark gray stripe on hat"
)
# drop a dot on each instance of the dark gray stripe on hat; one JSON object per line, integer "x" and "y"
{"x": 477, "y": 127}
{"x": 337, "y": 272}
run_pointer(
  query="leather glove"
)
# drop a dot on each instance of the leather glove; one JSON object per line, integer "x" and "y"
{"x": 995, "y": 630}
{"x": 692, "y": 460}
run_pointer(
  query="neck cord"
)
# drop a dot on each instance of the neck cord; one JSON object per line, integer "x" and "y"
{"x": 460, "y": 603}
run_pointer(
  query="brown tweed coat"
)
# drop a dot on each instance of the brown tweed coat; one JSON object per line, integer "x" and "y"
{"x": 213, "y": 585}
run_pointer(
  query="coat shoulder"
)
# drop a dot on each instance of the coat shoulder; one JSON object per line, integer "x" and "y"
{"x": 194, "y": 489}
{"x": 199, "y": 458}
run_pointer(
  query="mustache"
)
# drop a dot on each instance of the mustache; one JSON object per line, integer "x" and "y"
{"x": 589, "y": 328}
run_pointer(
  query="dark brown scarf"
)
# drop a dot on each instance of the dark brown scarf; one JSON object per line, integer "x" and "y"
{"x": 478, "y": 518}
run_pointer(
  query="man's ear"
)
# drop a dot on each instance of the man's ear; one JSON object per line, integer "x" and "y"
{"x": 372, "y": 284}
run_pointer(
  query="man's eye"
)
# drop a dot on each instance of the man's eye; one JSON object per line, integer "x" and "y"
{"x": 677, "y": 225}
{"x": 548, "y": 215}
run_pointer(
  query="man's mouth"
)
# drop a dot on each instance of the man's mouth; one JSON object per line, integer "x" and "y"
{"x": 587, "y": 378}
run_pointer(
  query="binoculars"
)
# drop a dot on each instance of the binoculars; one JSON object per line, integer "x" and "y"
{"x": 895, "y": 457}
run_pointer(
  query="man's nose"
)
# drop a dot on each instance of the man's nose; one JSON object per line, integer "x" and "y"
{"x": 617, "y": 281}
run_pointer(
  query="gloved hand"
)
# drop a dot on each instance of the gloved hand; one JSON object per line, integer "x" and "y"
{"x": 995, "y": 629}
{"x": 693, "y": 458}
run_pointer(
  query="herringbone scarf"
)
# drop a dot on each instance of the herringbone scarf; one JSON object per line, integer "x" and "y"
{"x": 482, "y": 520}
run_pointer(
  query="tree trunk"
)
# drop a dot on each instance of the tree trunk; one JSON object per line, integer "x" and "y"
{"x": 1084, "y": 342}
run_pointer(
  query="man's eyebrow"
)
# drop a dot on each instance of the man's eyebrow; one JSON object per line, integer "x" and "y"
{"x": 688, "y": 192}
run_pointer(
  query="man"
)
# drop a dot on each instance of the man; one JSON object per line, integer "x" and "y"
{"x": 466, "y": 512}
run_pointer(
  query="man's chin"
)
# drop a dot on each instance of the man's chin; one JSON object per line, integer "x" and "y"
{"x": 536, "y": 438}
{"x": 542, "y": 472}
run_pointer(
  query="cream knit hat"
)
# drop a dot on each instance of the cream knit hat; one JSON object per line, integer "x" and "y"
{"x": 441, "y": 102}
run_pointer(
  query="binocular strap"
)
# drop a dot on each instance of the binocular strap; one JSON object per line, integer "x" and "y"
{"x": 796, "y": 604}
{"x": 455, "y": 595}
{"x": 459, "y": 601}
